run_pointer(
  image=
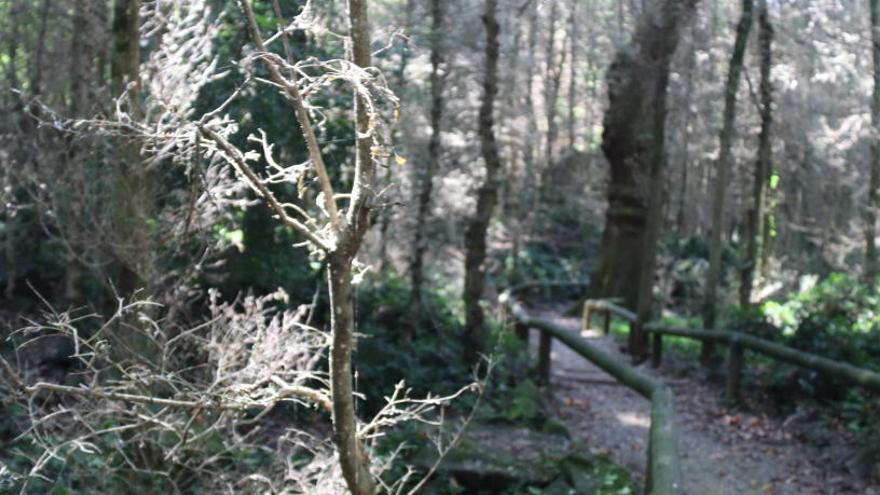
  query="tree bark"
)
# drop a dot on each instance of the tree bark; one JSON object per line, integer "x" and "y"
{"x": 572, "y": 71}
{"x": 352, "y": 457}
{"x": 757, "y": 232}
{"x": 342, "y": 242}
{"x": 527, "y": 200}
{"x": 15, "y": 106}
{"x": 871, "y": 265}
{"x": 552, "y": 80}
{"x": 133, "y": 192}
{"x": 681, "y": 219}
{"x": 633, "y": 143}
{"x": 81, "y": 74}
{"x": 723, "y": 170}
{"x": 386, "y": 214}
{"x": 476, "y": 232}
{"x": 514, "y": 183}
{"x": 426, "y": 179}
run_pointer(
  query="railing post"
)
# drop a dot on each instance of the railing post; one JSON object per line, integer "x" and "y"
{"x": 606, "y": 329}
{"x": 544, "y": 346}
{"x": 734, "y": 370}
{"x": 638, "y": 344}
{"x": 657, "y": 350}
{"x": 585, "y": 320}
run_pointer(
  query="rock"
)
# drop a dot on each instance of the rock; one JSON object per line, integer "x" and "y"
{"x": 493, "y": 458}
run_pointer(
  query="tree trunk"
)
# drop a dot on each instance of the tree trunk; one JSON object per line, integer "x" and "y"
{"x": 386, "y": 214}
{"x": 9, "y": 236}
{"x": 527, "y": 200}
{"x": 133, "y": 191}
{"x": 353, "y": 459}
{"x": 723, "y": 170}
{"x": 633, "y": 143}
{"x": 514, "y": 185}
{"x": 81, "y": 74}
{"x": 572, "y": 71}
{"x": 871, "y": 266}
{"x": 426, "y": 181}
{"x": 476, "y": 232}
{"x": 681, "y": 220}
{"x": 757, "y": 232}
{"x": 552, "y": 75}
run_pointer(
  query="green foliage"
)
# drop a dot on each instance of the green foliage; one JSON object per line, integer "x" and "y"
{"x": 523, "y": 405}
{"x": 540, "y": 261}
{"x": 680, "y": 345}
{"x": 423, "y": 349}
{"x": 265, "y": 259}
{"x": 837, "y": 318}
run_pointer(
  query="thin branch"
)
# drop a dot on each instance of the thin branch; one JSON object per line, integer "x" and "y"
{"x": 234, "y": 155}
{"x": 302, "y": 115}
{"x": 286, "y": 390}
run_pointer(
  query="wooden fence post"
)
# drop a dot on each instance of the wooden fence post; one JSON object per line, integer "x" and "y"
{"x": 606, "y": 329}
{"x": 657, "y": 350}
{"x": 585, "y": 320}
{"x": 734, "y": 370}
{"x": 544, "y": 347}
{"x": 638, "y": 343}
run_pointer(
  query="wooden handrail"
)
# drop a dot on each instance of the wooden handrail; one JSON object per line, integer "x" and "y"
{"x": 738, "y": 341}
{"x": 853, "y": 374}
{"x": 608, "y": 307}
{"x": 664, "y": 468}
{"x": 611, "y": 307}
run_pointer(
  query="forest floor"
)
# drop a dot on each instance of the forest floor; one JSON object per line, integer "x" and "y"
{"x": 724, "y": 450}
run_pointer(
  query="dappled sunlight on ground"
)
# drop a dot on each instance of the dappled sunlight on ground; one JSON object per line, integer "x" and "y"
{"x": 630, "y": 418}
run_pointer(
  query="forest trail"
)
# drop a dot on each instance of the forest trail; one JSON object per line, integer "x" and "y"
{"x": 724, "y": 451}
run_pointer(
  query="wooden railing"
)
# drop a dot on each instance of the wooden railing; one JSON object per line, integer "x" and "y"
{"x": 663, "y": 475}
{"x": 737, "y": 342}
{"x": 664, "y": 469}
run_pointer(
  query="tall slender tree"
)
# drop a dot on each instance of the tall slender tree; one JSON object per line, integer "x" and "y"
{"x": 133, "y": 189}
{"x": 572, "y": 69}
{"x": 552, "y": 80}
{"x": 487, "y": 196}
{"x": 401, "y": 90}
{"x": 354, "y": 460}
{"x": 871, "y": 264}
{"x": 339, "y": 239}
{"x": 757, "y": 236}
{"x": 14, "y": 104}
{"x": 723, "y": 170}
{"x": 432, "y": 161}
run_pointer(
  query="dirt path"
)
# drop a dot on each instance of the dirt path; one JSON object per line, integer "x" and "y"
{"x": 724, "y": 451}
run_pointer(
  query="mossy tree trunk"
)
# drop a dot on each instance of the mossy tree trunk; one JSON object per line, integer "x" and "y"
{"x": 757, "y": 231}
{"x": 722, "y": 172}
{"x": 487, "y": 196}
{"x": 425, "y": 176}
{"x": 633, "y": 144}
{"x": 133, "y": 191}
{"x": 871, "y": 266}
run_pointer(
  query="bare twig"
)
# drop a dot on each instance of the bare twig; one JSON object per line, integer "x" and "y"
{"x": 291, "y": 89}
